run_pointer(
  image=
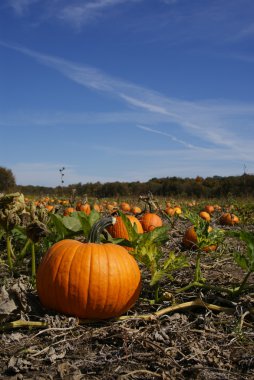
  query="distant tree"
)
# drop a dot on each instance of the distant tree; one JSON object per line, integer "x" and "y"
{"x": 7, "y": 180}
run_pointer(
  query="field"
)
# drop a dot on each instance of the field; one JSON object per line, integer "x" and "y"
{"x": 194, "y": 316}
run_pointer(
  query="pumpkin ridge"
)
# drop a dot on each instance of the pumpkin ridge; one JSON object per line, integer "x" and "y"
{"x": 89, "y": 273}
{"x": 119, "y": 287}
{"x": 108, "y": 281}
{"x": 127, "y": 279}
{"x": 69, "y": 283}
{"x": 47, "y": 287}
{"x": 94, "y": 278}
{"x": 58, "y": 299}
{"x": 82, "y": 295}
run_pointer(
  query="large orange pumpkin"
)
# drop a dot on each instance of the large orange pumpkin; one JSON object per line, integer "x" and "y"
{"x": 88, "y": 280}
{"x": 150, "y": 221}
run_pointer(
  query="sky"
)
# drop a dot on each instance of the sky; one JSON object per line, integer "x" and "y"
{"x": 126, "y": 90}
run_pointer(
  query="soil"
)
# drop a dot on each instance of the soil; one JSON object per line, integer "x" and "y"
{"x": 192, "y": 343}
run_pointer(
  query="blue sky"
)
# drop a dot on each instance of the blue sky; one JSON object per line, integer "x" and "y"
{"x": 126, "y": 90}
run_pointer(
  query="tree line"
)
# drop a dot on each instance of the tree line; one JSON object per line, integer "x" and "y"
{"x": 210, "y": 187}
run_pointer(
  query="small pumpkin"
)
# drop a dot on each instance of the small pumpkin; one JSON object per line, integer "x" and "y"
{"x": 119, "y": 230}
{"x": 88, "y": 280}
{"x": 124, "y": 206}
{"x": 97, "y": 207}
{"x": 190, "y": 240}
{"x": 136, "y": 210}
{"x": 205, "y": 215}
{"x": 178, "y": 210}
{"x": 68, "y": 211}
{"x": 150, "y": 221}
{"x": 49, "y": 208}
{"x": 209, "y": 208}
{"x": 229, "y": 219}
{"x": 85, "y": 207}
{"x": 170, "y": 210}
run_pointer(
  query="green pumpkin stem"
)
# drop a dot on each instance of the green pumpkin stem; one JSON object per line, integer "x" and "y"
{"x": 98, "y": 227}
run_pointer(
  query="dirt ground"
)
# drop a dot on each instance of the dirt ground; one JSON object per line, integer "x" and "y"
{"x": 193, "y": 343}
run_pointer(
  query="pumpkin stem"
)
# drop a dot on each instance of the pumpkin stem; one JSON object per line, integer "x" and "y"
{"x": 98, "y": 227}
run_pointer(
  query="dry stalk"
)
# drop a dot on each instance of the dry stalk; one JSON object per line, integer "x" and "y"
{"x": 185, "y": 305}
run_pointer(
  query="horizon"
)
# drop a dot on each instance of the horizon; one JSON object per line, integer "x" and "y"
{"x": 126, "y": 90}
{"x": 142, "y": 182}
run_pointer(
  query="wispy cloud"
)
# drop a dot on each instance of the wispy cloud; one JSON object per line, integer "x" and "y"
{"x": 210, "y": 124}
{"x": 81, "y": 13}
{"x": 173, "y": 138}
{"x": 177, "y": 22}
{"x": 202, "y": 162}
{"x": 20, "y": 7}
{"x": 247, "y": 31}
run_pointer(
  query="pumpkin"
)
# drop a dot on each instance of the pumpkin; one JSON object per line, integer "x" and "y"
{"x": 190, "y": 240}
{"x": 205, "y": 215}
{"x": 85, "y": 207}
{"x": 88, "y": 280}
{"x": 119, "y": 230}
{"x": 178, "y": 210}
{"x": 229, "y": 219}
{"x": 97, "y": 207}
{"x": 68, "y": 211}
{"x": 209, "y": 208}
{"x": 124, "y": 206}
{"x": 150, "y": 221}
{"x": 136, "y": 210}
{"x": 49, "y": 208}
{"x": 111, "y": 207}
{"x": 169, "y": 211}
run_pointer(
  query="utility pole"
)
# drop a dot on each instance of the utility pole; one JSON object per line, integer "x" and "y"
{"x": 62, "y": 177}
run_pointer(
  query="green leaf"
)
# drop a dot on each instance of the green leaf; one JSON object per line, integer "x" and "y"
{"x": 72, "y": 222}
{"x": 244, "y": 261}
{"x": 93, "y": 217}
{"x": 241, "y": 261}
{"x": 156, "y": 277}
{"x": 57, "y": 226}
{"x": 87, "y": 221}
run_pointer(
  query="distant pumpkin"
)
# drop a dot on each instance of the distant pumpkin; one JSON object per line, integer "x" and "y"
{"x": 124, "y": 206}
{"x": 136, "y": 210}
{"x": 68, "y": 211}
{"x": 190, "y": 240}
{"x": 209, "y": 208}
{"x": 229, "y": 219}
{"x": 150, "y": 221}
{"x": 119, "y": 230}
{"x": 205, "y": 215}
